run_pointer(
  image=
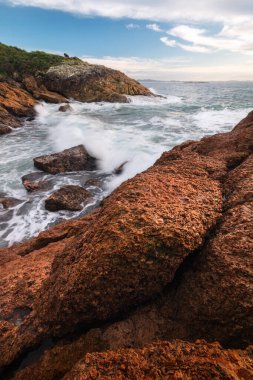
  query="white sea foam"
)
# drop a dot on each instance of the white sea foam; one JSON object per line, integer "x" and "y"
{"x": 218, "y": 120}
{"x": 136, "y": 133}
{"x": 155, "y": 101}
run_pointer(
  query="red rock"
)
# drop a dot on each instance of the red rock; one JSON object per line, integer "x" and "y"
{"x": 67, "y": 198}
{"x": 160, "y": 247}
{"x": 34, "y": 182}
{"x": 8, "y": 202}
{"x": 15, "y": 103}
{"x": 40, "y": 92}
{"x": 69, "y": 160}
{"x": 164, "y": 360}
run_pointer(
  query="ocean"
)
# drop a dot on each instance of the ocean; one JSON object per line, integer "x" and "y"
{"x": 136, "y": 133}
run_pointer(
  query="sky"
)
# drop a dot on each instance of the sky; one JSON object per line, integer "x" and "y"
{"x": 147, "y": 39}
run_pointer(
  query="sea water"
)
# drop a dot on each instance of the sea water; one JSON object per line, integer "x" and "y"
{"x": 136, "y": 133}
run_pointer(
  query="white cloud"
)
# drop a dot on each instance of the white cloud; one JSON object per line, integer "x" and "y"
{"x": 194, "y": 48}
{"x": 133, "y": 26}
{"x": 154, "y": 27}
{"x": 236, "y": 38}
{"x": 235, "y": 16}
{"x": 166, "y": 41}
{"x": 159, "y": 10}
{"x": 176, "y": 68}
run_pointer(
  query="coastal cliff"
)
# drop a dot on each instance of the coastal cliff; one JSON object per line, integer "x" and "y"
{"x": 138, "y": 286}
{"x": 26, "y": 78}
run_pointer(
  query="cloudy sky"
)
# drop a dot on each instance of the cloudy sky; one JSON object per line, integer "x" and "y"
{"x": 162, "y": 39}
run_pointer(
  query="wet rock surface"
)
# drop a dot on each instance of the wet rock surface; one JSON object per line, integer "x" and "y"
{"x": 34, "y": 182}
{"x": 69, "y": 160}
{"x": 8, "y": 202}
{"x": 65, "y": 108}
{"x": 67, "y": 198}
{"x": 166, "y": 256}
{"x": 92, "y": 83}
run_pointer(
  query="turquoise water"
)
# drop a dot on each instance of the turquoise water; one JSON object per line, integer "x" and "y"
{"x": 137, "y": 132}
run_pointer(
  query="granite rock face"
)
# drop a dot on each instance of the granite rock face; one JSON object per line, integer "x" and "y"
{"x": 92, "y": 83}
{"x": 69, "y": 197}
{"x": 166, "y": 256}
{"x": 15, "y": 104}
{"x": 69, "y": 160}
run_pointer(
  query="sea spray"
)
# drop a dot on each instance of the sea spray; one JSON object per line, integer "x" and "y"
{"x": 136, "y": 133}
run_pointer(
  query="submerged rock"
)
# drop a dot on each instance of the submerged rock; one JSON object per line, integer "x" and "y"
{"x": 8, "y": 202}
{"x": 34, "y": 182}
{"x": 69, "y": 160}
{"x": 119, "y": 170}
{"x": 65, "y": 108}
{"x": 92, "y": 83}
{"x": 67, "y": 198}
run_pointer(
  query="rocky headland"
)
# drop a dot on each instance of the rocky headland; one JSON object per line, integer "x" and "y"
{"x": 26, "y": 78}
{"x": 156, "y": 283}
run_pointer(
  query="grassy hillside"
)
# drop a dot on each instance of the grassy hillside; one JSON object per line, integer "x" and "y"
{"x": 15, "y": 60}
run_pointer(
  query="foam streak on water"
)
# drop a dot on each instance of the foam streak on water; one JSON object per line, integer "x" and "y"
{"x": 137, "y": 132}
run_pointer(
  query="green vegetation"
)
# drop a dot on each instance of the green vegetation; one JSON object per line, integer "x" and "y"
{"x": 15, "y": 60}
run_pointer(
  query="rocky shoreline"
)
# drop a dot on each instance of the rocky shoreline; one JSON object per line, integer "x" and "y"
{"x": 71, "y": 78}
{"x": 137, "y": 287}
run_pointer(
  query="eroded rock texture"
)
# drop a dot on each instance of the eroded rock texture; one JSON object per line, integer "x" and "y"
{"x": 92, "y": 83}
{"x": 15, "y": 104}
{"x": 175, "y": 360}
{"x": 67, "y": 198}
{"x": 167, "y": 255}
{"x": 69, "y": 160}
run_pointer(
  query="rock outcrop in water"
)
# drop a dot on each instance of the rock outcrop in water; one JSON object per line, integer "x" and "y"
{"x": 92, "y": 83}
{"x": 69, "y": 160}
{"x": 167, "y": 256}
{"x": 26, "y": 78}
{"x": 34, "y": 182}
{"x": 69, "y": 197}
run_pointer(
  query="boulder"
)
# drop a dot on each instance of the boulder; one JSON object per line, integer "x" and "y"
{"x": 69, "y": 160}
{"x": 34, "y": 182}
{"x": 8, "y": 202}
{"x": 4, "y": 129}
{"x": 65, "y": 107}
{"x": 119, "y": 170}
{"x": 67, "y": 198}
{"x": 91, "y": 83}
